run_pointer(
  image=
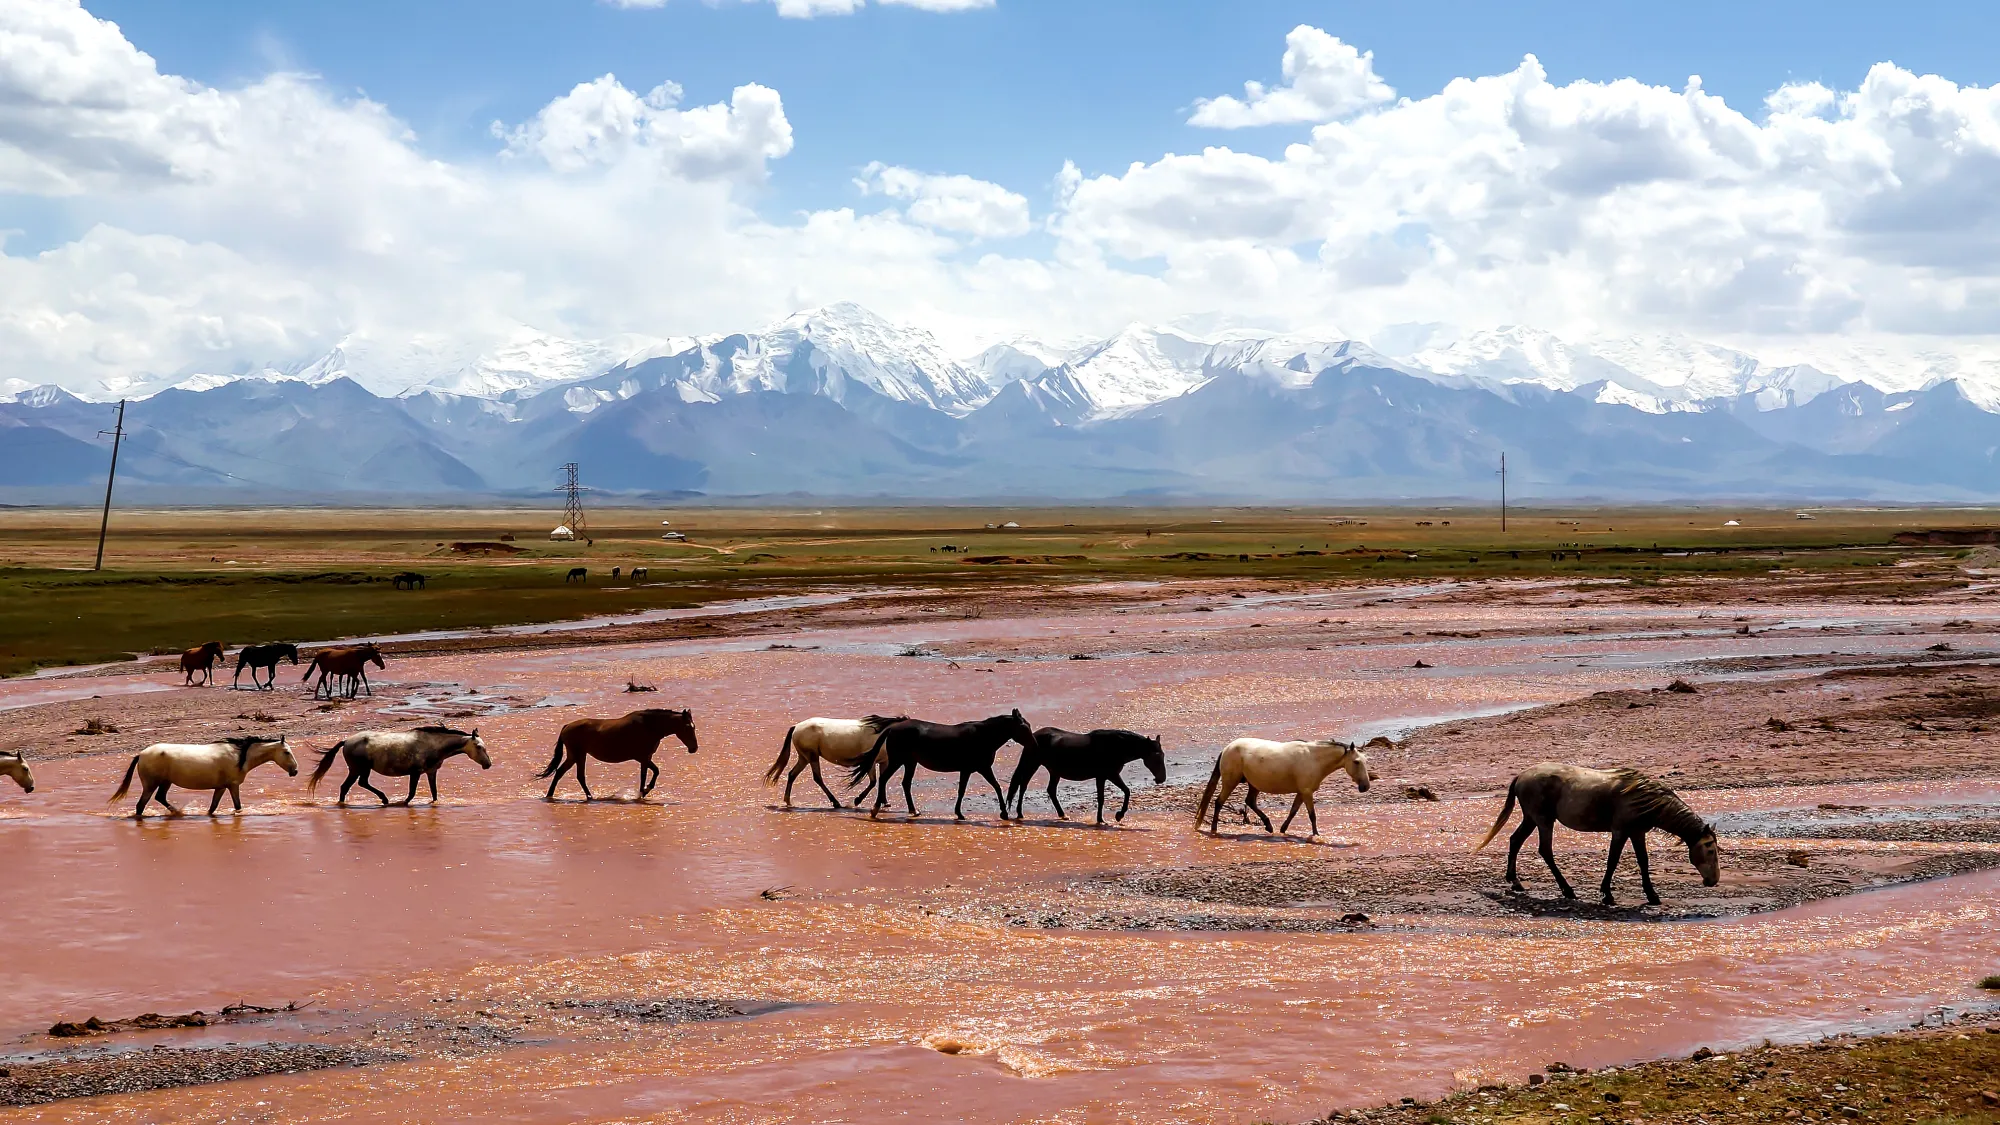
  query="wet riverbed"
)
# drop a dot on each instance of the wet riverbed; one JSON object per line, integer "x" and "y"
{"x": 487, "y": 910}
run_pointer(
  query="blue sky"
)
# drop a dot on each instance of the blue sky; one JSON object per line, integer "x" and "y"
{"x": 1009, "y": 93}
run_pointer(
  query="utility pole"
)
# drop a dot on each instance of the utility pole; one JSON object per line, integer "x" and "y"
{"x": 1503, "y": 491}
{"x": 117, "y": 434}
{"x": 573, "y": 502}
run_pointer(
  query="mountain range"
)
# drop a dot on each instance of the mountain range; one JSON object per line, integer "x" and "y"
{"x": 838, "y": 402}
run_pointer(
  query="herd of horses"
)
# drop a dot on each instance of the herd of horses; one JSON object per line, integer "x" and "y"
{"x": 874, "y": 750}
{"x": 342, "y": 669}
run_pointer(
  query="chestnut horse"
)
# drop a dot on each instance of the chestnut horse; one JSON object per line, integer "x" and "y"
{"x": 203, "y": 660}
{"x": 348, "y": 663}
{"x": 633, "y": 738}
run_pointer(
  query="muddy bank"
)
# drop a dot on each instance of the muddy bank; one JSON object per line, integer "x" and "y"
{"x": 88, "y": 1075}
{"x": 1940, "y": 1073}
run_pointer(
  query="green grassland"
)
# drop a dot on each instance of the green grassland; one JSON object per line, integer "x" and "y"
{"x": 176, "y": 578}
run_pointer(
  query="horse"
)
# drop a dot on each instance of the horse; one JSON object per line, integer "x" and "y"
{"x": 577, "y": 574}
{"x": 218, "y": 766}
{"x": 840, "y": 741}
{"x": 265, "y": 657}
{"x": 615, "y": 571}
{"x": 633, "y": 738}
{"x": 350, "y": 662}
{"x": 203, "y": 660}
{"x": 408, "y": 580}
{"x": 1279, "y": 767}
{"x": 960, "y": 748}
{"x": 1099, "y": 756}
{"x": 416, "y": 754}
{"x": 638, "y": 573}
{"x": 1623, "y": 802}
{"x": 15, "y": 765}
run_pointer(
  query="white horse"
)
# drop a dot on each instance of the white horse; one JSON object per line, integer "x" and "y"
{"x": 13, "y": 765}
{"x": 1279, "y": 767}
{"x": 840, "y": 741}
{"x": 218, "y": 766}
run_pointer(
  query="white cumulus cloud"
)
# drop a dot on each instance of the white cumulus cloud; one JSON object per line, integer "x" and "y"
{"x": 1325, "y": 79}
{"x": 960, "y": 204}
{"x": 602, "y": 123}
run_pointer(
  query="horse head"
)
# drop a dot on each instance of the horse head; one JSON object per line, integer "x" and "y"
{"x": 1706, "y": 856}
{"x": 666, "y": 721}
{"x": 476, "y": 750}
{"x": 291, "y": 651}
{"x": 1155, "y": 757}
{"x": 373, "y": 655}
{"x": 15, "y": 765}
{"x": 1017, "y": 728}
{"x": 282, "y": 755}
{"x": 1357, "y": 766}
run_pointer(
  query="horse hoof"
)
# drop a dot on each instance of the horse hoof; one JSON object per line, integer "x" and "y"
{"x": 1652, "y": 900}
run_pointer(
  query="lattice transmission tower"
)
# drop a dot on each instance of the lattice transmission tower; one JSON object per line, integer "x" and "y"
{"x": 573, "y": 502}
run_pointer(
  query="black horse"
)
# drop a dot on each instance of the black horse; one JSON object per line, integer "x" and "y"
{"x": 1099, "y": 756}
{"x": 960, "y": 748}
{"x": 265, "y": 657}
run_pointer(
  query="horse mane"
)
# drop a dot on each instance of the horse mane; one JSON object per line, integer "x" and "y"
{"x": 442, "y": 730}
{"x": 1112, "y": 734}
{"x": 880, "y": 723}
{"x": 243, "y": 743}
{"x": 1653, "y": 800}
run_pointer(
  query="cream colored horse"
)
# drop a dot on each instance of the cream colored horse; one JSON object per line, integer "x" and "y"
{"x": 13, "y": 765}
{"x": 840, "y": 741}
{"x": 218, "y": 766}
{"x": 1279, "y": 767}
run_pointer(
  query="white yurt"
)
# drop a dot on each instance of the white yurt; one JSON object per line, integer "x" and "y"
{"x": 563, "y": 533}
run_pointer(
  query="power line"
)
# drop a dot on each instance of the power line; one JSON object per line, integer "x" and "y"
{"x": 573, "y": 502}
{"x": 117, "y": 433}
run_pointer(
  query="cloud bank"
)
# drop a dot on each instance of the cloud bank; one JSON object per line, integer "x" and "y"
{"x": 224, "y": 229}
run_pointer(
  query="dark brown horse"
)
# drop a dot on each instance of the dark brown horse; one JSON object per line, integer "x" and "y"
{"x": 1623, "y": 802}
{"x": 203, "y": 660}
{"x": 1099, "y": 755}
{"x": 634, "y": 738}
{"x": 348, "y": 663}
{"x": 961, "y": 748}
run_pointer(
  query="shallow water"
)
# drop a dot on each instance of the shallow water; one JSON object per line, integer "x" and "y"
{"x": 496, "y": 896}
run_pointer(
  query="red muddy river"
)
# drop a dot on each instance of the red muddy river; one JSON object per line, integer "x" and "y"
{"x": 496, "y": 901}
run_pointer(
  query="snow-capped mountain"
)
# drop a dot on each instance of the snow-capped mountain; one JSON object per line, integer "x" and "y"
{"x": 840, "y": 401}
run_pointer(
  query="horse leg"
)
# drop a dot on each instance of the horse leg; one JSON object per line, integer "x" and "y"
{"x": 958, "y": 810}
{"x": 1250, "y": 804}
{"x": 164, "y": 803}
{"x": 987, "y": 773}
{"x": 1298, "y": 802}
{"x": 146, "y": 794}
{"x": 215, "y": 800}
{"x": 236, "y": 797}
{"x": 1611, "y": 865}
{"x": 345, "y": 786}
{"x": 1312, "y": 814}
{"x": 560, "y": 770}
{"x": 1645, "y": 868}
{"x": 1221, "y": 799}
{"x": 410, "y": 797}
{"x": 909, "y": 779}
{"x": 1520, "y": 837}
{"x": 1100, "y": 801}
{"x": 580, "y": 760}
{"x": 799, "y": 767}
{"x": 821, "y": 782}
{"x": 1548, "y": 850}
{"x": 432, "y": 773}
{"x": 1053, "y": 782}
{"x": 1125, "y": 789}
{"x": 370, "y": 786}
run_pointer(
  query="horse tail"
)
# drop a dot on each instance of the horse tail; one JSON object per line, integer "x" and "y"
{"x": 127, "y": 783}
{"x": 555, "y": 759}
{"x": 325, "y": 764}
{"x": 1506, "y": 811}
{"x": 866, "y": 762}
{"x": 310, "y": 666}
{"x": 784, "y": 757}
{"x": 1208, "y": 793}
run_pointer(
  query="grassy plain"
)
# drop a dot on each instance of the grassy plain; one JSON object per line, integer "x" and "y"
{"x": 174, "y": 578}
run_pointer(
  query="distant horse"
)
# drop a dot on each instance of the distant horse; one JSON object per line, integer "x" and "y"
{"x": 265, "y": 657}
{"x": 577, "y": 574}
{"x": 840, "y": 741}
{"x": 638, "y": 572}
{"x": 1279, "y": 767}
{"x": 615, "y": 570}
{"x": 348, "y": 663}
{"x": 634, "y": 738}
{"x": 961, "y": 748}
{"x": 1099, "y": 756}
{"x": 1623, "y": 802}
{"x": 408, "y": 580}
{"x": 203, "y": 660}
{"x": 14, "y": 765}
{"x": 416, "y": 754}
{"x": 218, "y": 766}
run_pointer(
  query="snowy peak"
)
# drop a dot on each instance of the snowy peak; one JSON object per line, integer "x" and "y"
{"x": 822, "y": 350}
{"x": 1138, "y": 367}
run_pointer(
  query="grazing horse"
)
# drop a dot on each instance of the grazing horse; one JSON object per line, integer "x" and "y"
{"x": 13, "y": 764}
{"x": 1623, "y": 802}
{"x": 265, "y": 657}
{"x": 348, "y": 663}
{"x": 416, "y": 754}
{"x": 638, "y": 572}
{"x": 1099, "y": 756}
{"x": 633, "y": 738}
{"x": 615, "y": 570}
{"x": 408, "y": 580}
{"x": 840, "y": 741}
{"x": 218, "y": 766}
{"x": 961, "y": 748}
{"x": 1279, "y": 767}
{"x": 203, "y": 660}
{"x": 577, "y": 574}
